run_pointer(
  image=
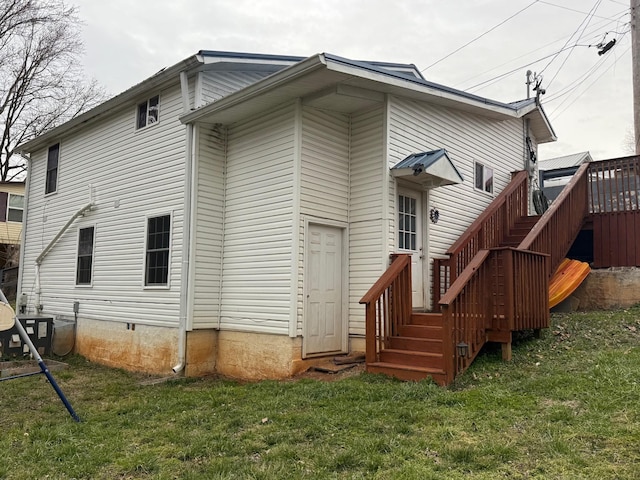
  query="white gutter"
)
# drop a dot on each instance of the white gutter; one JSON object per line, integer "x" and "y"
{"x": 97, "y": 113}
{"x": 87, "y": 208}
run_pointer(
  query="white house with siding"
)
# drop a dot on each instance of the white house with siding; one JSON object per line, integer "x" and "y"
{"x": 227, "y": 214}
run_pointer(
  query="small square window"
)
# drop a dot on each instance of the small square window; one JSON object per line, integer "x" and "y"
{"x": 148, "y": 112}
{"x": 52, "y": 169}
{"x": 484, "y": 178}
{"x": 157, "y": 251}
{"x": 15, "y": 208}
{"x": 84, "y": 266}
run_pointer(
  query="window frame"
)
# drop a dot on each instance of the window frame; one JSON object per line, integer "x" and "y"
{"x": 92, "y": 256}
{"x": 146, "y": 104}
{"x": 157, "y": 286}
{"x": 9, "y": 208}
{"x": 484, "y": 179}
{"x": 48, "y": 171}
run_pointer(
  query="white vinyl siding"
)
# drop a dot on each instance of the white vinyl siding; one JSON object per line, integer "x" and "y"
{"x": 417, "y": 127}
{"x": 366, "y": 227}
{"x": 129, "y": 174}
{"x": 325, "y": 165}
{"x": 258, "y": 231}
{"x": 324, "y": 176}
{"x": 208, "y": 227}
{"x": 216, "y": 85}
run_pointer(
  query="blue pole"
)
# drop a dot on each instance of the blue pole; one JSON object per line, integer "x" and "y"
{"x": 44, "y": 369}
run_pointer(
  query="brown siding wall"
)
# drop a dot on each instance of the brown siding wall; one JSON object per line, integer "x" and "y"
{"x": 615, "y": 241}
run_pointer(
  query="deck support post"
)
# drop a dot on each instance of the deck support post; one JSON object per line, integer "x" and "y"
{"x": 537, "y": 333}
{"x": 506, "y": 351}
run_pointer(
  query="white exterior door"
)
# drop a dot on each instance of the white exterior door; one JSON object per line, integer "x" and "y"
{"x": 409, "y": 238}
{"x": 324, "y": 332}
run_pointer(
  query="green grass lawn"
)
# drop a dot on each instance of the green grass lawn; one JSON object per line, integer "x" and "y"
{"x": 567, "y": 406}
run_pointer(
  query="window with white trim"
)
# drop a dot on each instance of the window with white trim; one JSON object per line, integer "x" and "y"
{"x": 15, "y": 208}
{"x": 407, "y": 222}
{"x": 484, "y": 178}
{"x": 84, "y": 265}
{"x": 51, "y": 184}
{"x": 148, "y": 112}
{"x": 158, "y": 246}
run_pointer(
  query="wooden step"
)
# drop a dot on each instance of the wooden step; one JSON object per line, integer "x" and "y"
{"x": 430, "y": 345}
{"x": 433, "y": 319}
{"x": 420, "y": 331}
{"x": 406, "y": 372}
{"x": 412, "y": 358}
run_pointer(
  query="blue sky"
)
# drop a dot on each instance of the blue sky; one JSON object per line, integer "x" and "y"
{"x": 589, "y": 96}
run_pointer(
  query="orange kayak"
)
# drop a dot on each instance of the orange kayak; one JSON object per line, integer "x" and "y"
{"x": 569, "y": 275}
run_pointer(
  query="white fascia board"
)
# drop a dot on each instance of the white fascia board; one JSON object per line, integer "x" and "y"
{"x": 98, "y": 112}
{"x": 416, "y": 87}
{"x": 263, "y": 86}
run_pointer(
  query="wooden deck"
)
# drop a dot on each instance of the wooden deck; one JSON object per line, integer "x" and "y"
{"x": 496, "y": 278}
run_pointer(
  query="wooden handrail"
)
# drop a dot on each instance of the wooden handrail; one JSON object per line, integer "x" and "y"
{"x": 387, "y": 306}
{"x": 559, "y": 226}
{"x": 456, "y": 287}
{"x": 399, "y": 263}
{"x": 516, "y": 182}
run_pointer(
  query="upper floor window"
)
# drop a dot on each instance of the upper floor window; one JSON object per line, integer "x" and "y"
{"x": 84, "y": 266}
{"x": 52, "y": 169}
{"x": 148, "y": 112}
{"x": 157, "y": 251}
{"x": 15, "y": 208}
{"x": 484, "y": 178}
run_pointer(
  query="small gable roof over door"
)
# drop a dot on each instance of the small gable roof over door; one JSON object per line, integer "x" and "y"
{"x": 429, "y": 169}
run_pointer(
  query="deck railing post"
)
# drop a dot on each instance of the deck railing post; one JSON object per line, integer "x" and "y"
{"x": 509, "y": 293}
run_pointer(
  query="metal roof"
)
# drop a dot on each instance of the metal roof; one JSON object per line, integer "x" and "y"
{"x": 296, "y": 76}
{"x": 566, "y": 161}
{"x": 432, "y": 168}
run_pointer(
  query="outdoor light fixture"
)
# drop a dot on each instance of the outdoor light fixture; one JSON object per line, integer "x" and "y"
{"x": 463, "y": 349}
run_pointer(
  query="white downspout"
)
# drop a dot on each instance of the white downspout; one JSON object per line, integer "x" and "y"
{"x": 87, "y": 208}
{"x": 189, "y": 172}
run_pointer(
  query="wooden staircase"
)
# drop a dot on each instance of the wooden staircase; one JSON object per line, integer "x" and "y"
{"x": 494, "y": 282}
{"x": 416, "y": 351}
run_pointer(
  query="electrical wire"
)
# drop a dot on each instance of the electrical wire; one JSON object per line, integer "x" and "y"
{"x": 574, "y": 10}
{"x": 491, "y": 80}
{"x": 556, "y": 115}
{"x": 480, "y": 36}
{"x": 598, "y": 25}
{"x": 581, "y": 78}
{"x": 570, "y": 37}
{"x": 588, "y": 19}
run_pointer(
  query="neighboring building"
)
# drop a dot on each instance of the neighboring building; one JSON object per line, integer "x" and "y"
{"x": 11, "y": 215}
{"x": 228, "y": 213}
{"x": 556, "y": 172}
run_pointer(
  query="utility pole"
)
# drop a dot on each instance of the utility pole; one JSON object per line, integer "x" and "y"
{"x": 635, "y": 59}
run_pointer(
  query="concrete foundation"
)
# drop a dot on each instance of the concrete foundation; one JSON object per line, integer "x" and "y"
{"x": 248, "y": 356}
{"x": 610, "y": 288}
{"x": 129, "y": 346}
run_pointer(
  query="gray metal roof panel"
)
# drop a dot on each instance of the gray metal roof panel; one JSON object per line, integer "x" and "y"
{"x": 374, "y": 68}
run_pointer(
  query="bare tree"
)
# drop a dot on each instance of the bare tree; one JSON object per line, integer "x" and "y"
{"x": 41, "y": 80}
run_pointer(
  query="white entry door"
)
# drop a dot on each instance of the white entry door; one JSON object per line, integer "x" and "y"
{"x": 409, "y": 238}
{"x": 324, "y": 332}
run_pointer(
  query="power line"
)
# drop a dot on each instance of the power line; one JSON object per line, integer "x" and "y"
{"x": 556, "y": 115}
{"x": 595, "y": 27}
{"x": 588, "y": 18}
{"x": 569, "y": 39}
{"x": 581, "y": 79}
{"x": 574, "y": 10}
{"x": 480, "y": 36}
